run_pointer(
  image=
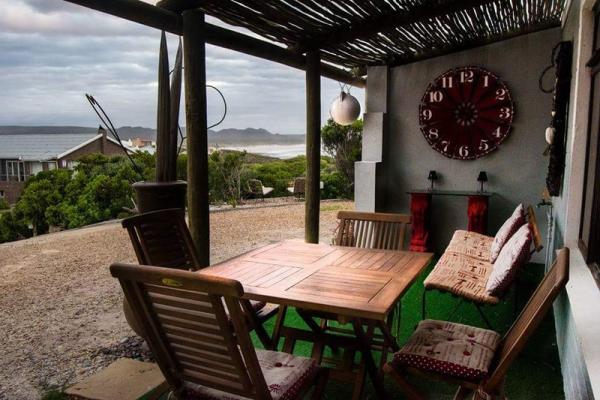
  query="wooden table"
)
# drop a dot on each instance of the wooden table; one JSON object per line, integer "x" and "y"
{"x": 361, "y": 285}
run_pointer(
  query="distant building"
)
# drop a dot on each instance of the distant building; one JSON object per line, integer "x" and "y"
{"x": 141, "y": 144}
{"x": 24, "y": 155}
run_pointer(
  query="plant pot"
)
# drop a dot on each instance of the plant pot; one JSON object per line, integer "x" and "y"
{"x": 153, "y": 196}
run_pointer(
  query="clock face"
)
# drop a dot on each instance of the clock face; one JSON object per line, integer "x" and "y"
{"x": 466, "y": 113}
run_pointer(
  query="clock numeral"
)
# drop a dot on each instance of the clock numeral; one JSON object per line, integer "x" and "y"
{"x": 445, "y": 145}
{"x": 486, "y": 80}
{"x": 463, "y": 151}
{"x": 500, "y": 94}
{"x": 497, "y": 133}
{"x": 484, "y": 145}
{"x": 447, "y": 82}
{"x": 434, "y": 133}
{"x": 436, "y": 96}
{"x": 426, "y": 114}
{"x": 505, "y": 113}
{"x": 466, "y": 76}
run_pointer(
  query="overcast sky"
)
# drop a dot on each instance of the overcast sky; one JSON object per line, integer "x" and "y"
{"x": 52, "y": 52}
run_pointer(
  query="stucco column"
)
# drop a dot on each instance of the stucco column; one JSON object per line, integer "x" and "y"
{"x": 369, "y": 182}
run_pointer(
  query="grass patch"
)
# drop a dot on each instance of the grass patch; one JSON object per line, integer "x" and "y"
{"x": 333, "y": 206}
{"x": 54, "y": 394}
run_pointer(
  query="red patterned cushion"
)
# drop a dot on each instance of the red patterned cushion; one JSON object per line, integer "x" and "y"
{"x": 512, "y": 224}
{"x": 450, "y": 349}
{"x": 286, "y": 376}
{"x": 514, "y": 254}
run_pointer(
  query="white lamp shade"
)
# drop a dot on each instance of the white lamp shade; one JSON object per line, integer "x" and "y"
{"x": 344, "y": 109}
{"x": 550, "y": 132}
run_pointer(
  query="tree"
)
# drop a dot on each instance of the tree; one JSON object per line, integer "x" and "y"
{"x": 344, "y": 144}
{"x": 227, "y": 175}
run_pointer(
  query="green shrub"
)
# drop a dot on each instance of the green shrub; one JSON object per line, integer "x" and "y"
{"x": 4, "y": 204}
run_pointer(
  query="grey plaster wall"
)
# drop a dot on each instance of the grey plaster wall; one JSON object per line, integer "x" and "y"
{"x": 516, "y": 171}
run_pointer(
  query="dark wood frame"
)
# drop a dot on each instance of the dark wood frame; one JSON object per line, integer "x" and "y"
{"x": 589, "y": 242}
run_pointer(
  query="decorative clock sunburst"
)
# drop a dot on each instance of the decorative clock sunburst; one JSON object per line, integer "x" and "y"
{"x": 466, "y": 113}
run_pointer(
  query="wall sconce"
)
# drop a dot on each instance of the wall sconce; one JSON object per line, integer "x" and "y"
{"x": 433, "y": 176}
{"x": 482, "y": 178}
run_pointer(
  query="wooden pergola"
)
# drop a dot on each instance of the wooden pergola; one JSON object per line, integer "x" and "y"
{"x": 323, "y": 38}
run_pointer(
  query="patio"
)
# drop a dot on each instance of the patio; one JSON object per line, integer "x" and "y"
{"x": 400, "y": 47}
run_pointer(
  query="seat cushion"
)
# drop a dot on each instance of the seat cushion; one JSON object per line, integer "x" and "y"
{"x": 513, "y": 256}
{"x": 463, "y": 276}
{"x": 510, "y": 226}
{"x": 471, "y": 244}
{"x": 286, "y": 376}
{"x": 450, "y": 349}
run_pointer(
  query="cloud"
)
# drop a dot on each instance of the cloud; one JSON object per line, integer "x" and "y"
{"x": 53, "y": 52}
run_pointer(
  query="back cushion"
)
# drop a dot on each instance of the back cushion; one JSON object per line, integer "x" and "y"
{"x": 514, "y": 222}
{"x": 514, "y": 254}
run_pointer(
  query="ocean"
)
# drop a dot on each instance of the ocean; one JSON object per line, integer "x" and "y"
{"x": 283, "y": 151}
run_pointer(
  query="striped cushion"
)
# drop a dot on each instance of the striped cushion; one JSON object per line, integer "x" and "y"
{"x": 286, "y": 376}
{"x": 471, "y": 244}
{"x": 463, "y": 276}
{"x": 513, "y": 256}
{"x": 512, "y": 224}
{"x": 450, "y": 349}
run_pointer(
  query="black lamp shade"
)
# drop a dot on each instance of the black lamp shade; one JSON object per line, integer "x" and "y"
{"x": 482, "y": 177}
{"x": 432, "y": 176}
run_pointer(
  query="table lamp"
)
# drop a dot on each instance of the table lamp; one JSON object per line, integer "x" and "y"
{"x": 432, "y": 177}
{"x": 482, "y": 178}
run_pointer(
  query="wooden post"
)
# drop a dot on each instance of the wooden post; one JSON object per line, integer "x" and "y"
{"x": 313, "y": 147}
{"x": 196, "y": 132}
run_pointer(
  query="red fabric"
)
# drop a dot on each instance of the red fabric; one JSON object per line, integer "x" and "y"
{"x": 420, "y": 210}
{"x": 477, "y": 213}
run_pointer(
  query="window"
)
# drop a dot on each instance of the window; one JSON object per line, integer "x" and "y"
{"x": 589, "y": 228}
{"x": 1, "y": 194}
{"x": 15, "y": 171}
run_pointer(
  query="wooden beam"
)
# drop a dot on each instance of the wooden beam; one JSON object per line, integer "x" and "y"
{"x": 371, "y": 26}
{"x": 156, "y": 17}
{"x": 197, "y": 133}
{"x": 313, "y": 147}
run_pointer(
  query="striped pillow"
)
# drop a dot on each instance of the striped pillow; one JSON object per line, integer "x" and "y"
{"x": 514, "y": 222}
{"x": 514, "y": 254}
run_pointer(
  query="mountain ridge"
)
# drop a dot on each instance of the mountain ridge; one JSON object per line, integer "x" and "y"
{"x": 222, "y": 137}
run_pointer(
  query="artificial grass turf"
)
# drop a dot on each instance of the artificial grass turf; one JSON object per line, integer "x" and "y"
{"x": 535, "y": 374}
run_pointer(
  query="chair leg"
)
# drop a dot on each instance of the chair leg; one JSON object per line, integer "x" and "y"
{"x": 278, "y": 326}
{"x": 359, "y": 381}
{"x": 408, "y": 389}
{"x": 423, "y": 306}
{"x": 462, "y": 393}
{"x": 262, "y": 334}
{"x": 322, "y": 379}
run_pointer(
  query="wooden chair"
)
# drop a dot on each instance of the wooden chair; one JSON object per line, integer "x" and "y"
{"x": 491, "y": 368}
{"x": 298, "y": 187}
{"x": 366, "y": 230}
{"x": 257, "y": 190}
{"x": 162, "y": 238}
{"x": 204, "y": 351}
{"x": 371, "y": 230}
{"x": 449, "y": 273}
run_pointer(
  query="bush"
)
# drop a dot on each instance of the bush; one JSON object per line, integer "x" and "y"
{"x": 4, "y": 204}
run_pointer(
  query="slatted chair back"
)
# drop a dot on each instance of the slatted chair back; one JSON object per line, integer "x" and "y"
{"x": 189, "y": 331}
{"x": 162, "y": 238}
{"x": 530, "y": 318}
{"x": 535, "y": 230}
{"x": 255, "y": 187}
{"x": 299, "y": 185}
{"x": 371, "y": 230}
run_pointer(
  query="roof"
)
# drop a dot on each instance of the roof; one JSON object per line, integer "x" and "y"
{"x": 355, "y": 33}
{"x": 40, "y": 147}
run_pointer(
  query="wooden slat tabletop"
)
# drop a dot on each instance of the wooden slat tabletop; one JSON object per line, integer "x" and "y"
{"x": 347, "y": 281}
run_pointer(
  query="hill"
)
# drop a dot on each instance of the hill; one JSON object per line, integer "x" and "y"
{"x": 223, "y": 137}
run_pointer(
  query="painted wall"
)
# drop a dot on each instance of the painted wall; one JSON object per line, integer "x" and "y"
{"x": 516, "y": 171}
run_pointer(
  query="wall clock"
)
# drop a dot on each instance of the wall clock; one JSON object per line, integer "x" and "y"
{"x": 466, "y": 113}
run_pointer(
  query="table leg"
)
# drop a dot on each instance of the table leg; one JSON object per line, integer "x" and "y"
{"x": 477, "y": 212}
{"x": 420, "y": 210}
{"x": 365, "y": 347}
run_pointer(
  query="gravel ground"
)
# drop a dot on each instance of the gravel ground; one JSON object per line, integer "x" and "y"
{"x": 60, "y": 310}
